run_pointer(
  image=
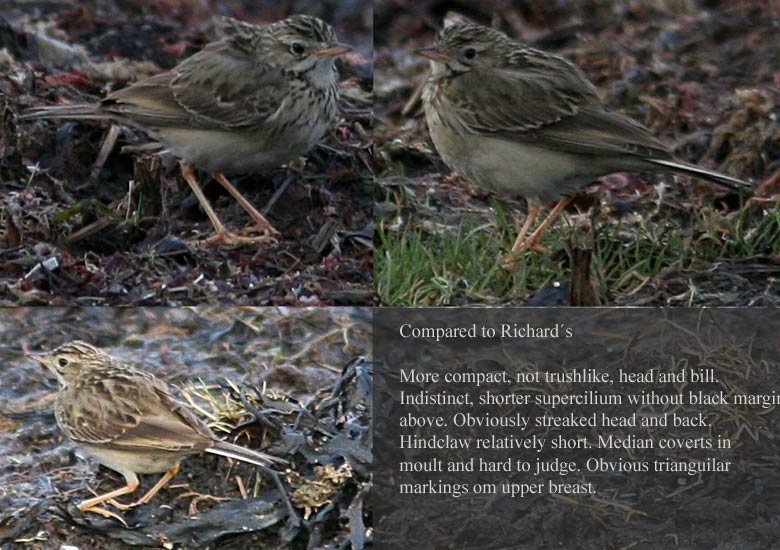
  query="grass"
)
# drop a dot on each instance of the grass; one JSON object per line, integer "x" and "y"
{"x": 417, "y": 265}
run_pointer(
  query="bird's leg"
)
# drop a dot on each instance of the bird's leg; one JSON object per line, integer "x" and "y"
{"x": 157, "y": 486}
{"x": 221, "y": 233}
{"x": 188, "y": 174}
{"x": 520, "y": 243}
{"x": 533, "y": 212}
{"x": 532, "y": 242}
{"x": 91, "y": 505}
{"x": 554, "y": 213}
{"x": 263, "y": 225}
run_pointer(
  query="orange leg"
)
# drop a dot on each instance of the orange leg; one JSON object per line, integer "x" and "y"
{"x": 91, "y": 505}
{"x": 262, "y": 224}
{"x": 533, "y": 212}
{"x": 153, "y": 491}
{"x": 532, "y": 242}
{"x": 556, "y": 211}
{"x": 221, "y": 233}
{"x": 521, "y": 242}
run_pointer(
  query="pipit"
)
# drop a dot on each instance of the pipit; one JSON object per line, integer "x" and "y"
{"x": 258, "y": 98}
{"x": 519, "y": 121}
{"x": 129, "y": 421}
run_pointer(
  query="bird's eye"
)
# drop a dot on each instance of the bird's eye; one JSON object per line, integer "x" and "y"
{"x": 297, "y": 48}
{"x": 62, "y": 362}
{"x": 470, "y": 53}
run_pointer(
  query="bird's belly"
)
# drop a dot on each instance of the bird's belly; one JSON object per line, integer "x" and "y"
{"x": 238, "y": 153}
{"x": 511, "y": 168}
{"x": 149, "y": 462}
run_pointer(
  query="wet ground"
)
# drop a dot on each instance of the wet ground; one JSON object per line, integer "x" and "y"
{"x": 75, "y": 231}
{"x": 286, "y": 381}
{"x": 702, "y": 75}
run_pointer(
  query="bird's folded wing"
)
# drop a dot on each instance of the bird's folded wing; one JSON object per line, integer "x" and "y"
{"x": 163, "y": 432}
{"x": 137, "y": 416}
{"x": 516, "y": 101}
{"x": 558, "y": 109}
{"x": 148, "y": 103}
{"x": 230, "y": 89}
{"x": 211, "y": 90}
{"x": 599, "y": 132}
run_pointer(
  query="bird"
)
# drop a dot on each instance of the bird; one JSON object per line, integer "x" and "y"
{"x": 256, "y": 99}
{"x": 129, "y": 421}
{"x": 517, "y": 120}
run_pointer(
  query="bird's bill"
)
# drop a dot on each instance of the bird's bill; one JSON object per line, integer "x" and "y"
{"x": 42, "y": 357}
{"x": 434, "y": 54}
{"x": 333, "y": 50}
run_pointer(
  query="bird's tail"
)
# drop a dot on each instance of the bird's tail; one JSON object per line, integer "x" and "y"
{"x": 709, "y": 175}
{"x": 223, "y": 448}
{"x": 78, "y": 112}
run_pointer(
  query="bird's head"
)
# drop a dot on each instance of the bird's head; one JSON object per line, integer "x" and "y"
{"x": 463, "y": 47}
{"x": 71, "y": 358}
{"x": 301, "y": 43}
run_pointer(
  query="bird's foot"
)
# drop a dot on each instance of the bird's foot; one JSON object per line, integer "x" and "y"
{"x": 88, "y": 506}
{"x": 510, "y": 259}
{"x": 262, "y": 226}
{"x": 103, "y": 512}
{"x": 246, "y": 236}
{"x": 119, "y": 506}
{"x": 197, "y": 498}
{"x": 762, "y": 200}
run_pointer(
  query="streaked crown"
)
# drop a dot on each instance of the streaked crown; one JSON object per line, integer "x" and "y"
{"x": 75, "y": 355}
{"x": 462, "y": 47}
{"x": 306, "y": 27}
{"x": 473, "y": 46}
{"x": 297, "y": 42}
{"x": 458, "y": 35}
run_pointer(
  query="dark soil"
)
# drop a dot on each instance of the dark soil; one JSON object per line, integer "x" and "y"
{"x": 73, "y": 232}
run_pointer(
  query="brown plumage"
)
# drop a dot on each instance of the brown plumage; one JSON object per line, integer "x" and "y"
{"x": 520, "y": 121}
{"x": 258, "y": 98}
{"x": 128, "y": 420}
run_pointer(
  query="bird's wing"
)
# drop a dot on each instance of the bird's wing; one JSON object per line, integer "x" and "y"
{"x": 229, "y": 88}
{"x": 136, "y": 416}
{"x": 521, "y": 98}
{"x": 148, "y": 103}
{"x": 600, "y": 132}
{"x": 551, "y": 108}
{"x": 217, "y": 88}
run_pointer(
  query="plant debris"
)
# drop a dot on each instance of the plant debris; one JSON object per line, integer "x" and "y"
{"x": 117, "y": 219}
{"x": 257, "y": 380}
